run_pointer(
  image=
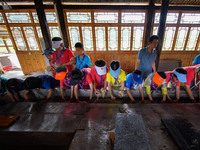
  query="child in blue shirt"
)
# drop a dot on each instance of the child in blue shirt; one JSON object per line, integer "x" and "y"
{"x": 82, "y": 60}
{"x": 42, "y": 81}
{"x": 134, "y": 81}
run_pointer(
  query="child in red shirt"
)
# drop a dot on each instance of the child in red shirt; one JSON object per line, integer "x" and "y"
{"x": 98, "y": 74}
{"x": 80, "y": 78}
{"x": 62, "y": 55}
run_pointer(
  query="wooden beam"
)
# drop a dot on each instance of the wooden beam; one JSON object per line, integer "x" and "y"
{"x": 161, "y": 28}
{"x": 43, "y": 23}
{"x": 6, "y": 46}
{"x": 150, "y": 21}
{"x": 61, "y": 21}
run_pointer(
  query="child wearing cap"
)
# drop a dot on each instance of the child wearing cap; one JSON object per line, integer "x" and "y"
{"x": 80, "y": 78}
{"x": 193, "y": 75}
{"x": 62, "y": 56}
{"x": 15, "y": 85}
{"x": 133, "y": 81}
{"x": 98, "y": 74}
{"x": 174, "y": 79}
{"x": 64, "y": 77}
{"x": 82, "y": 60}
{"x": 49, "y": 55}
{"x": 116, "y": 77}
{"x": 42, "y": 81}
{"x": 155, "y": 81}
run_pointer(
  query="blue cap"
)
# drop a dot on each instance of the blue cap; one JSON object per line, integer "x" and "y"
{"x": 115, "y": 73}
{"x": 137, "y": 78}
{"x": 48, "y": 51}
{"x": 181, "y": 77}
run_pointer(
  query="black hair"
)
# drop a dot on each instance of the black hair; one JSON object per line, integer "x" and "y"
{"x": 115, "y": 64}
{"x": 153, "y": 37}
{"x": 76, "y": 74}
{"x": 162, "y": 74}
{"x": 180, "y": 70}
{"x": 78, "y": 44}
{"x": 137, "y": 72}
{"x": 14, "y": 83}
{"x": 61, "y": 69}
{"x": 56, "y": 39}
{"x": 100, "y": 63}
{"x": 32, "y": 83}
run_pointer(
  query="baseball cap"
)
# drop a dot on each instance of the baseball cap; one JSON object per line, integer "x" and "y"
{"x": 48, "y": 51}
{"x": 100, "y": 67}
{"x": 181, "y": 77}
{"x": 158, "y": 79}
{"x": 56, "y": 41}
{"x": 115, "y": 68}
{"x": 76, "y": 76}
{"x": 61, "y": 72}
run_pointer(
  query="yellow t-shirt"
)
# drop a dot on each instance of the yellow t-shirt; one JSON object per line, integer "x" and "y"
{"x": 120, "y": 78}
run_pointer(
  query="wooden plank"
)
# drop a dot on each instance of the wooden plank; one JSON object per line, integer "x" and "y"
{"x": 183, "y": 133}
{"x": 61, "y": 21}
{"x": 43, "y": 23}
{"x": 161, "y": 28}
{"x": 150, "y": 21}
{"x": 130, "y": 133}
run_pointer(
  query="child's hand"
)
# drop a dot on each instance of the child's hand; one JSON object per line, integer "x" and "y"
{"x": 121, "y": 93}
{"x": 113, "y": 98}
{"x": 103, "y": 92}
{"x": 96, "y": 92}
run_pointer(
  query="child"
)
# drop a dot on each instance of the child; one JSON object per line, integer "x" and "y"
{"x": 98, "y": 74}
{"x": 62, "y": 56}
{"x": 116, "y": 77}
{"x": 80, "y": 78}
{"x": 3, "y": 88}
{"x": 82, "y": 60}
{"x": 42, "y": 81}
{"x": 193, "y": 75}
{"x": 174, "y": 79}
{"x": 15, "y": 85}
{"x": 154, "y": 81}
{"x": 49, "y": 55}
{"x": 63, "y": 76}
{"x": 133, "y": 81}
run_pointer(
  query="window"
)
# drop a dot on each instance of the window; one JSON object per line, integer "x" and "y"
{"x": 18, "y": 17}
{"x": 172, "y": 18}
{"x": 125, "y": 38}
{"x": 137, "y": 38}
{"x": 100, "y": 31}
{"x": 193, "y": 37}
{"x": 74, "y": 36}
{"x": 50, "y": 16}
{"x": 78, "y": 17}
{"x": 100, "y": 38}
{"x": 112, "y": 38}
{"x": 169, "y": 38}
{"x": 181, "y": 38}
{"x": 1, "y": 18}
{"x": 18, "y": 37}
{"x": 30, "y": 36}
{"x": 130, "y": 17}
{"x": 190, "y": 18}
{"x": 106, "y": 17}
{"x": 87, "y": 38}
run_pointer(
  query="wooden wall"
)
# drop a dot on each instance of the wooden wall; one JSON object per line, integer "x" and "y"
{"x": 31, "y": 63}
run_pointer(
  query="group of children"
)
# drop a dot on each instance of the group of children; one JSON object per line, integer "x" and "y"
{"x": 77, "y": 73}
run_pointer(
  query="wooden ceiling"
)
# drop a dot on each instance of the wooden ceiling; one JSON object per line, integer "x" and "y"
{"x": 109, "y": 2}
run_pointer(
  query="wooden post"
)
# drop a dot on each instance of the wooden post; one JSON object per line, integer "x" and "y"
{"x": 61, "y": 21}
{"x": 161, "y": 28}
{"x": 150, "y": 21}
{"x": 43, "y": 23}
